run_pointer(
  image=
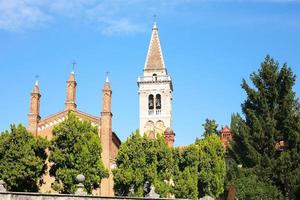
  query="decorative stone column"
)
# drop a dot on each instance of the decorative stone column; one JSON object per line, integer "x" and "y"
{"x": 80, "y": 187}
{"x": 152, "y": 193}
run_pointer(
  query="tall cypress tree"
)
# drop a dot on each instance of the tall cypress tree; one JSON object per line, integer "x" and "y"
{"x": 271, "y": 118}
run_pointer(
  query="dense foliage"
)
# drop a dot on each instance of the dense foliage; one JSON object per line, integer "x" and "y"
{"x": 141, "y": 159}
{"x": 203, "y": 167}
{"x": 212, "y": 168}
{"x": 271, "y": 114}
{"x": 76, "y": 149}
{"x": 188, "y": 172}
{"x": 22, "y": 158}
{"x": 249, "y": 186}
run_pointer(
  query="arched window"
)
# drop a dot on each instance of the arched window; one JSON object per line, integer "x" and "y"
{"x": 154, "y": 77}
{"x": 160, "y": 126}
{"x": 158, "y": 101}
{"x": 149, "y": 126}
{"x": 151, "y": 102}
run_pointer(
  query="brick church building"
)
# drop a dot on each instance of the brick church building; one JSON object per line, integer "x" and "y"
{"x": 155, "y": 94}
{"x": 109, "y": 140}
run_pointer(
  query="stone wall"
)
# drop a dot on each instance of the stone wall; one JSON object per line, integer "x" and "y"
{"x": 42, "y": 196}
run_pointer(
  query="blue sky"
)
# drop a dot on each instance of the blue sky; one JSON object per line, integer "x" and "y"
{"x": 208, "y": 47}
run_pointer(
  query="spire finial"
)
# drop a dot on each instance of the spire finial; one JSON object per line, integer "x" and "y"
{"x": 37, "y": 80}
{"x": 107, "y": 79}
{"x": 73, "y": 66}
{"x": 154, "y": 21}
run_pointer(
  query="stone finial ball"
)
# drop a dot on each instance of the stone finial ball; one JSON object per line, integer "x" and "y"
{"x": 80, "y": 178}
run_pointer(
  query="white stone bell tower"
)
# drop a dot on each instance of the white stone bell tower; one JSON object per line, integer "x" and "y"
{"x": 155, "y": 91}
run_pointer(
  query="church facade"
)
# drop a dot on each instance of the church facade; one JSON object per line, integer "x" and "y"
{"x": 109, "y": 140}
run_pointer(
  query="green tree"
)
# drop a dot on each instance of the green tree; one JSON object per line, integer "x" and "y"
{"x": 76, "y": 149}
{"x": 186, "y": 183}
{"x": 186, "y": 172}
{"x": 141, "y": 159}
{"x": 271, "y": 114}
{"x": 22, "y": 159}
{"x": 201, "y": 169}
{"x": 212, "y": 167}
{"x": 249, "y": 187}
{"x": 234, "y": 123}
{"x": 210, "y": 127}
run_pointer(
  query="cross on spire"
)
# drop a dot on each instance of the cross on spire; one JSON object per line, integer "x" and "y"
{"x": 36, "y": 79}
{"x": 73, "y": 66}
{"x": 154, "y": 21}
{"x": 107, "y": 74}
{"x": 154, "y": 18}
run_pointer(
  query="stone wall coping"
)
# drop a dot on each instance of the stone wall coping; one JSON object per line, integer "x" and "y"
{"x": 78, "y": 196}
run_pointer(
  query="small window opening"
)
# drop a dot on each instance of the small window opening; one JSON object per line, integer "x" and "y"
{"x": 154, "y": 77}
{"x": 158, "y": 101}
{"x": 151, "y": 102}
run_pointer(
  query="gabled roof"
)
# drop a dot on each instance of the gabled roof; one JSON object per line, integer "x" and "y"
{"x": 154, "y": 60}
{"x": 51, "y": 120}
{"x": 60, "y": 116}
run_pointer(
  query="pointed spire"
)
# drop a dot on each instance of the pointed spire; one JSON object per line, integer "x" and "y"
{"x": 36, "y": 85}
{"x": 34, "y": 111}
{"x": 72, "y": 76}
{"x": 154, "y": 60}
{"x": 71, "y": 92}
{"x": 107, "y": 84}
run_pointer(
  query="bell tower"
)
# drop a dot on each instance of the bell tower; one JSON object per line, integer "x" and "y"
{"x": 155, "y": 91}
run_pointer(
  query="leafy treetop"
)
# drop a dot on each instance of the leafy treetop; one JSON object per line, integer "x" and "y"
{"x": 141, "y": 159}
{"x": 76, "y": 149}
{"x": 22, "y": 159}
